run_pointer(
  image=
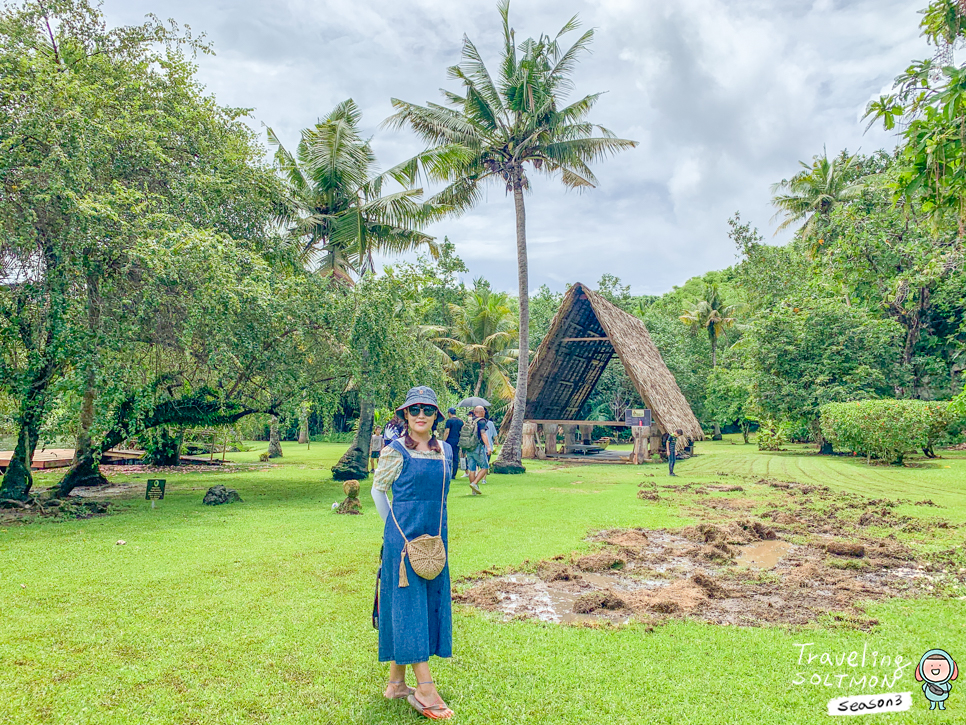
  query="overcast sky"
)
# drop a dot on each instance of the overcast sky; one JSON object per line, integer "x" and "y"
{"x": 725, "y": 98}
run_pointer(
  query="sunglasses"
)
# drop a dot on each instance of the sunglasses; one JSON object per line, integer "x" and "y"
{"x": 426, "y": 409}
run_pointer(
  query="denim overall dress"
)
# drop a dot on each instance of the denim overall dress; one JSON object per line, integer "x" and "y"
{"x": 415, "y": 621}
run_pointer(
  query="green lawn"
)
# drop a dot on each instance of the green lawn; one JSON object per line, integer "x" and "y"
{"x": 259, "y": 612}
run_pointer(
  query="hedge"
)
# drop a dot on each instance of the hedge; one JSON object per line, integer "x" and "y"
{"x": 886, "y": 429}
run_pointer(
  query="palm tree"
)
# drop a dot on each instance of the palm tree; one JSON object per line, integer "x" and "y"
{"x": 814, "y": 191}
{"x": 493, "y": 131}
{"x": 482, "y": 335}
{"x": 712, "y": 315}
{"x": 340, "y": 215}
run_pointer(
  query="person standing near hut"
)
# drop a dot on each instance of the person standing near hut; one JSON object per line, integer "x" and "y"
{"x": 671, "y": 447}
{"x": 415, "y": 602}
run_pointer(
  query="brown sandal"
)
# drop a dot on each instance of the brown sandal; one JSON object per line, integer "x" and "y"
{"x": 438, "y": 711}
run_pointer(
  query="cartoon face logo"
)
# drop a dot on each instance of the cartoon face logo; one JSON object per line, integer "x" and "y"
{"x": 936, "y": 671}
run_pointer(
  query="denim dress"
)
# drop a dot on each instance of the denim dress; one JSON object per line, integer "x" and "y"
{"x": 415, "y": 621}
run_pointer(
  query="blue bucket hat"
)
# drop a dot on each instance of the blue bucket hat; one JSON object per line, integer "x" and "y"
{"x": 422, "y": 394}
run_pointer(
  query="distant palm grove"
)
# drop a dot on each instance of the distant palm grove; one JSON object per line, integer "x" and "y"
{"x": 167, "y": 270}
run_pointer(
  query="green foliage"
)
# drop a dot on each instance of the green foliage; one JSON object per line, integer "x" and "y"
{"x": 771, "y": 436}
{"x": 812, "y": 193}
{"x": 730, "y": 399}
{"x": 339, "y": 214}
{"x": 885, "y": 429}
{"x": 483, "y": 338}
{"x": 804, "y": 357}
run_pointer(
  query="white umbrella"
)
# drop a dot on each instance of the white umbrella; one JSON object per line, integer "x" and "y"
{"x": 473, "y": 402}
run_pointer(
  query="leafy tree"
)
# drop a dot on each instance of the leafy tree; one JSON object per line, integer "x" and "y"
{"x": 494, "y": 131}
{"x": 543, "y": 307}
{"x": 340, "y": 215}
{"x": 108, "y": 144}
{"x": 813, "y": 192}
{"x": 803, "y": 357}
{"x": 730, "y": 399}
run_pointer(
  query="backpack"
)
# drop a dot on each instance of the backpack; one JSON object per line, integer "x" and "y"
{"x": 469, "y": 440}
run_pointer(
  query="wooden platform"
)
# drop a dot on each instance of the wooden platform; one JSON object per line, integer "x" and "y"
{"x": 606, "y": 457}
{"x": 62, "y": 457}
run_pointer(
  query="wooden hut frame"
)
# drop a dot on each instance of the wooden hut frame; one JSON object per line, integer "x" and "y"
{"x": 585, "y": 334}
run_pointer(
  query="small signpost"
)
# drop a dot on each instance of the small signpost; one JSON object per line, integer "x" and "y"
{"x": 637, "y": 416}
{"x": 155, "y": 490}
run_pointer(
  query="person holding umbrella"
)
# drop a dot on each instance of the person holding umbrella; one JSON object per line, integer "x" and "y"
{"x": 414, "y": 607}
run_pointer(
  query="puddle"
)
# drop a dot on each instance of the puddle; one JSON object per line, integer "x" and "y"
{"x": 764, "y": 554}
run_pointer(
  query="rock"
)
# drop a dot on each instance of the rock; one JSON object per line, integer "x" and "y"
{"x": 507, "y": 468}
{"x": 218, "y": 495}
{"x": 837, "y": 547}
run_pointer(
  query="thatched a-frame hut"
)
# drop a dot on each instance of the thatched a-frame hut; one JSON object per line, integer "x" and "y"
{"x": 585, "y": 334}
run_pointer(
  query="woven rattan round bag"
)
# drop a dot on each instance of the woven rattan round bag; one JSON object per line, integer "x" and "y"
{"x": 427, "y": 554}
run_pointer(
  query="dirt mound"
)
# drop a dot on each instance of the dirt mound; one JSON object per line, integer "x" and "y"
{"x": 710, "y": 586}
{"x": 600, "y": 561}
{"x": 844, "y": 549}
{"x": 648, "y": 496}
{"x": 595, "y": 601}
{"x": 736, "y": 532}
{"x": 489, "y": 594}
{"x": 553, "y": 571}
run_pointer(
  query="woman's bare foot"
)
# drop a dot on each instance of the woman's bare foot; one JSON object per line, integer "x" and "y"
{"x": 435, "y": 709}
{"x": 397, "y": 691}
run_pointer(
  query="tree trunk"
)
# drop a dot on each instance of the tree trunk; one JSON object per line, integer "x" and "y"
{"x": 510, "y": 455}
{"x": 354, "y": 463}
{"x": 84, "y": 469}
{"x": 824, "y": 445}
{"x": 18, "y": 479}
{"x": 479, "y": 381}
{"x": 745, "y": 430}
{"x": 274, "y": 446}
{"x": 303, "y": 424}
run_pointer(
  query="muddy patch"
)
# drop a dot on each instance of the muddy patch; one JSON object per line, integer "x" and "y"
{"x": 740, "y": 572}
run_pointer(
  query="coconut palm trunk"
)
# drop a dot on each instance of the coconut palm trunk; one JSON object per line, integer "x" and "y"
{"x": 274, "y": 445}
{"x": 510, "y": 460}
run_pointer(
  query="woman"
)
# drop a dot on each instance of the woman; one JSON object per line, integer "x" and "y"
{"x": 415, "y": 619}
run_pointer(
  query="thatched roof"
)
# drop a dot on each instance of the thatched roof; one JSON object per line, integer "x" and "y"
{"x": 567, "y": 366}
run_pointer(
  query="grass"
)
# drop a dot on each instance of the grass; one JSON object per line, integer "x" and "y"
{"x": 259, "y": 612}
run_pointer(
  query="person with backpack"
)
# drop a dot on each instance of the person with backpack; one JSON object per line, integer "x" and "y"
{"x": 473, "y": 442}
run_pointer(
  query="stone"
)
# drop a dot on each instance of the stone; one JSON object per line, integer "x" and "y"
{"x": 219, "y": 494}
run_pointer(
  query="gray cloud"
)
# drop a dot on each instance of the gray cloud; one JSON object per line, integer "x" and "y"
{"x": 725, "y": 97}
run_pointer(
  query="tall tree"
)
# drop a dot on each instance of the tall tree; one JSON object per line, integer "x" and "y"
{"x": 107, "y": 142}
{"x": 813, "y": 192}
{"x": 711, "y": 315}
{"x": 497, "y": 129}
{"x": 341, "y": 217}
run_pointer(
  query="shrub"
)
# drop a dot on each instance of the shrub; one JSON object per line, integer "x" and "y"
{"x": 771, "y": 436}
{"x": 886, "y": 429}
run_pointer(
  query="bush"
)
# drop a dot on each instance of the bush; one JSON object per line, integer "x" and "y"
{"x": 771, "y": 436}
{"x": 886, "y": 429}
